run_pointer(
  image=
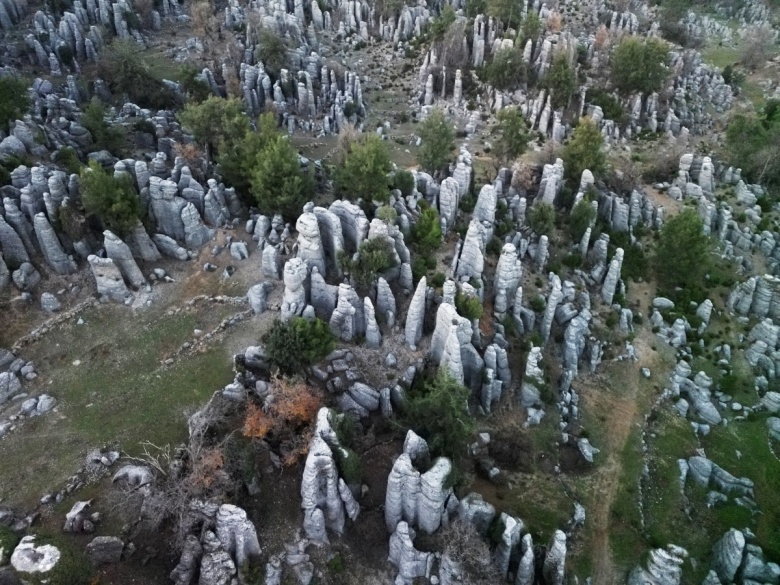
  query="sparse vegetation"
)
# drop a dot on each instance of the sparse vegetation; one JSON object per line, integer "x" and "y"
{"x": 297, "y": 344}
{"x": 13, "y": 101}
{"x": 113, "y": 201}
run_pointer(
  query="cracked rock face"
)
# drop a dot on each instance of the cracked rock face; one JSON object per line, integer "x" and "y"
{"x": 554, "y": 566}
{"x": 237, "y": 534}
{"x": 727, "y": 555}
{"x": 410, "y": 562}
{"x": 120, "y": 253}
{"x": 416, "y": 315}
{"x": 108, "y": 278}
{"x": 294, "y": 299}
{"x": 28, "y": 558}
{"x": 663, "y": 567}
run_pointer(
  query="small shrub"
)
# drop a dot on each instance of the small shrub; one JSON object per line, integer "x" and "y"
{"x": 67, "y": 158}
{"x": 538, "y": 304}
{"x": 468, "y": 306}
{"x": 403, "y": 180}
{"x": 493, "y": 247}
{"x": 437, "y": 280}
{"x": 14, "y": 102}
{"x": 297, "y": 344}
{"x": 336, "y": 564}
{"x": 573, "y": 260}
{"x": 105, "y": 136}
{"x": 113, "y": 201}
{"x": 611, "y": 320}
{"x": 541, "y": 218}
{"x": 437, "y": 410}
{"x": 348, "y": 464}
{"x": 374, "y": 257}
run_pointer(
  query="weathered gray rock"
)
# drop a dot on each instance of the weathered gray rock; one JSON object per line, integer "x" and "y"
{"x": 237, "y": 534}
{"x": 257, "y": 296}
{"x": 526, "y": 570}
{"x": 120, "y": 253}
{"x": 320, "y": 483}
{"x": 507, "y": 543}
{"x": 141, "y": 244}
{"x": 612, "y": 278}
{"x": 51, "y": 247}
{"x": 433, "y": 495}
{"x": 663, "y": 567}
{"x": 416, "y": 315}
{"x": 373, "y": 335}
{"x": 348, "y": 320}
{"x": 26, "y": 277}
{"x": 189, "y": 561}
{"x": 310, "y": 248}
{"x": 727, "y": 555}
{"x": 294, "y": 299}
{"x": 166, "y": 207}
{"x": 103, "y": 550}
{"x": 169, "y": 247}
{"x": 477, "y": 512}
{"x": 272, "y": 267}
{"x": 354, "y": 223}
{"x": 196, "y": 233}
{"x": 11, "y": 245}
{"x": 10, "y": 386}
{"x": 554, "y": 298}
{"x": 108, "y": 278}
{"x": 50, "y": 303}
{"x": 216, "y": 566}
{"x": 410, "y": 562}
{"x": 28, "y": 558}
{"x": 385, "y": 302}
{"x": 554, "y": 566}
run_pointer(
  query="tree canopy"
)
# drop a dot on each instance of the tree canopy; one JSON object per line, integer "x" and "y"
{"x": 438, "y": 412}
{"x": 585, "y": 150}
{"x": 215, "y": 122}
{"x": 13, "y": 100}
{"x": 561, "y": 81}
{"x": 364, "y": 171}
{"x": 639, "y": 65}
{"x": 541, "y": 218}
{"x": 753, "y": 142}
{"x": 112, "y": 200}
{"x": 277, "y": 182}
{"x": 437, "y": 142}
{"x": 683, "y": 254}
{"x": 513, "y": 135}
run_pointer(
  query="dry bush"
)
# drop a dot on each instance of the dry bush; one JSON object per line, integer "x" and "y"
{"x": 181, "y": 477}
{"x": 602, "y": 38}
{"x": 757, "y": 47}
{"x": 463, "y": 544}
{"x": 523, "y": 176}
{"x": 348, "y": 135}
{"x": 193, "y": 158}
{"x": 663, "y": 163}
{"x": 453, "y": 53}
{"x": 286, "y": 419}
{"x": 144, "y": 8}
{"x": 550, "y": 152}
{"x": 624, "y": 175}
{"x": 554, "y": 22}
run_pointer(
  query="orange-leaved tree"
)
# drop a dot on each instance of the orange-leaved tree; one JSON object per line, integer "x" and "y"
{"x": 286, "y": 420}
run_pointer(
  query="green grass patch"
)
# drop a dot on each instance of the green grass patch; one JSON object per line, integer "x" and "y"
{"x": 757, "y": 463}
{"x": 720, "y": 56}
{"x": 625, "y": 538}
{"x": 118, "y": 393}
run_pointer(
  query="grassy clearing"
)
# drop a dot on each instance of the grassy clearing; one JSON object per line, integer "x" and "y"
{"x": 720, "y": 56}
{"x": 625, "y": 538}
{"x": 742, "y": 449}
{"x": 118, "y": 393}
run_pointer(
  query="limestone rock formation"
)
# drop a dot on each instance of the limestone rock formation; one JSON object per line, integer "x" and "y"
{"x": 108, "y": 278}
{"x": 416, "y": 315}
{"x": 51, "y": 247}
{"x": 554, "y": 566}
{"x": 237, "y": 534}
{"x": 294, "y": 299}
{"x": 410, "y": 562}
{"x": 123, "y": 259}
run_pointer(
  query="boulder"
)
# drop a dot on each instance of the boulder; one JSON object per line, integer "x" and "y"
{"x": 103, "y": 550}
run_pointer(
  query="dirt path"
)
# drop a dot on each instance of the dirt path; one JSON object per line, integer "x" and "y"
{"x": 621, "y": 396}
{"x": 620, "y": 416}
